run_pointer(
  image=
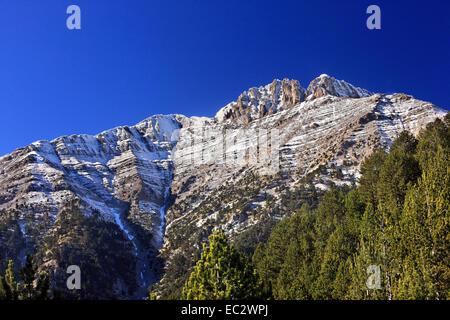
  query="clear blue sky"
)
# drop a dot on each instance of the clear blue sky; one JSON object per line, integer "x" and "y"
{"x": 136, "y": 58}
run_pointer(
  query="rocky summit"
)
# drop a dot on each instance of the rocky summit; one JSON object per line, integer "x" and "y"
{"x": 149, "y": 194}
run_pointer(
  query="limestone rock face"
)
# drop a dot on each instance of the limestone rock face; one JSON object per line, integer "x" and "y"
{"x": 337, "y": 131}
{"x": 153, "y": 177}
{"x": 326, "y": 85}
{"x": 258, "y": 102}
{"x": 279, "y": 95}
{"x": 123, "y": 174}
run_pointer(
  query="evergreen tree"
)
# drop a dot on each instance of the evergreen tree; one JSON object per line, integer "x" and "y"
{"x": 435, "y": 135}
{"x": 9, "y": 285}
{"x": 370, "y": 172}
{"x": 268, "y": 258}
{"x": 27, "y": 275}
{"x": 399, "y": 171}
{"x": 33, "y": 285}
{"x": 42, "y": 286}
{"x": 368, "y": 253}
{"x": 297, "y": 273}
{"x": 332, "y": 281}
{"x": 425, "y": 226}
{"x": 397, "y": 220}
{"x": 5, "y": 293}
{"x": 222, "y": 273}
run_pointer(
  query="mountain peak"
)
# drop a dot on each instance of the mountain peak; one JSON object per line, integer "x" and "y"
{"x": 256, "y": 103}
{"x": 154, "y": 181}
{"x": 265, "y": 100}
{"x": 326, "y": 85}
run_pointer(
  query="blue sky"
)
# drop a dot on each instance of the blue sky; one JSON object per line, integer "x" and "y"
{"x": 136, "y": 58}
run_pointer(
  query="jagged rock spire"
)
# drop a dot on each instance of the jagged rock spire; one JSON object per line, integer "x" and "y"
{"x": 256, "y": 103}
{"x": 326, "y": 85}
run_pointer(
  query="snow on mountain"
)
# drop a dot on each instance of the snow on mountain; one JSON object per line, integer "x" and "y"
{"x": 258, "y": 102}
{"x": 326, "y": 85}
{"x": 283, "y": 94}
{"x": 130, "y": 175}
{"x": 326, "y": 130}
{"x": 122, "y": 173}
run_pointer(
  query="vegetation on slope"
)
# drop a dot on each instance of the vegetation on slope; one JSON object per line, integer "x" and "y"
{"x": 396, "y": 220}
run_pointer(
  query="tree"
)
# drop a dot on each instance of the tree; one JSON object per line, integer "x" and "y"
{"x": 9, "y": 288}
{"x": 370, "y": 172}
{"x": 332, "y": 280}
{"x": 297, "y": 273}
{"x": 27, "y": 275}
{"x": 393, "y": 228}
{"x": 35, "y": 285}
{"x": 435, "y": 135}
{"x": 368, "y": 253}
{"x": 222, "y": 273}
{"x": 425, "y": 226}
{"x": 399, "y": 171}
{"x": 42, "y": 286}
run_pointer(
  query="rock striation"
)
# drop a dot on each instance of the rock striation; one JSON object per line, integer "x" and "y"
{"x": 150, "y": 178}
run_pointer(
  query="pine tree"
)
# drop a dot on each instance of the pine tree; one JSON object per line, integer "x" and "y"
{"x": 399, "y": 171}
{"x": 4, "y": 290}
{"x": 222, "y": 273}
{"x": 294, "y": 279}
{"x": 425, "y": 226}
{"x": 27, "y": 275}
{"x": 10, "y": 286}
{"x": 297, "y": 273}
{"x": 435, "y": 135}
{"x": 368, "y": 253}
{"x": 342, "y": 280}
{"x": 370, "y": 172}
{"x": 268, "y": 258}
{"x": 340, "y": 246}
{"x": 42, "y": 286}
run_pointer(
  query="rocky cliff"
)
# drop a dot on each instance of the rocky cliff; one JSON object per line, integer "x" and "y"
{"x": 166, "y": 182}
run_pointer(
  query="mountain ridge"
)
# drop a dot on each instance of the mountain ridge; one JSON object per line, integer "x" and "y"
{"x": 281, "y": 94}
{"x": 152, "y": 178}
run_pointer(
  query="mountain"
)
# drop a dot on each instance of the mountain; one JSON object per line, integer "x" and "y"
{"x": 161, "y": 186}
{"x": 283, "y": 94}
